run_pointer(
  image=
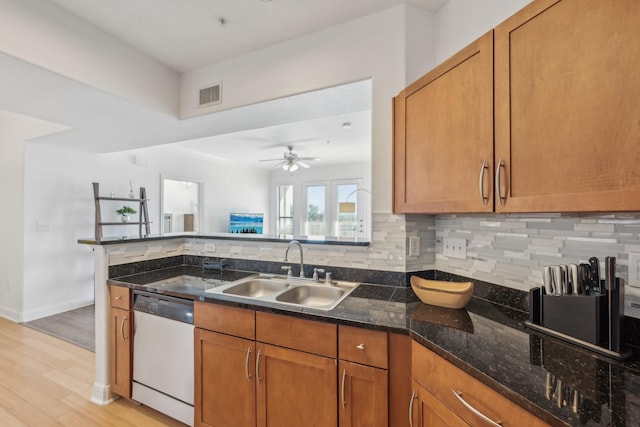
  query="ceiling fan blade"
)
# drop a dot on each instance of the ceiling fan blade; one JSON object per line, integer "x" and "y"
{"x": 292, "y": 142}
{"x": 309, "y": 158}
{"x": 271, "y": 160}
{"x": 303, "y": 164}
{"x": 279, "y": 165}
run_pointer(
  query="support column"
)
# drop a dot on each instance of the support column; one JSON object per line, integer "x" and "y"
{"x": 102, "y": 384}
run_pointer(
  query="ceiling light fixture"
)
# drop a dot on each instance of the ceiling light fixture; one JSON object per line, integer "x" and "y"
{"x": 223, "y": 21}
{"x": 290, "y": 167}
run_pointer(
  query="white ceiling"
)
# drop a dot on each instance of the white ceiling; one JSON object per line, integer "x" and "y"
{"x": 184, "y": 36}
{"x": 312, "y": 123}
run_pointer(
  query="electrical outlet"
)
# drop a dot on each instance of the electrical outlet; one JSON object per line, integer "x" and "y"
{"x": 454, "y": 248}
{"x": 42, "y": 226}
{"x": 634, "y": 269}
{"x": 210, "y": 247}
{"x": 414, "y": 246}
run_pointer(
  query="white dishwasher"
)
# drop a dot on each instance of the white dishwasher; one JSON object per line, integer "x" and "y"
{"x": 163, "y": 354}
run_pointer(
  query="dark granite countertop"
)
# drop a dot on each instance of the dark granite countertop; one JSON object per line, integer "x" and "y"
{"x": 486, "y": 340}
{"x": 114, "y": 240}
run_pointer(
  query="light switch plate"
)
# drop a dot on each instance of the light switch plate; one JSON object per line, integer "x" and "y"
{"x": 634, "y": 269}
{"x": 455, "y": 248}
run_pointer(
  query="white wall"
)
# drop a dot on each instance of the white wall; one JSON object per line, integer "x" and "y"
{"x": 58, "y": 272}
{"x": 420, "y": 41}
{"x": 459, "y": 22}
{"x": 14, "y": 130}
{"x": 41, "y": 33}
{"x": 369, "y": 47}
{"x": 387, "y": 47}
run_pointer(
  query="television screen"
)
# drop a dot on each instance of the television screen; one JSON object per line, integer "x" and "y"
{"x": 247, "y": 223}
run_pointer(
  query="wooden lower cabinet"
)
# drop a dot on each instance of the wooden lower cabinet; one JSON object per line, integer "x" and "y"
{"x": 121, "y": 344}
{"x": 465, "y": 396}
{"x": 363, "y": 395}
{"x": 224, "y": 380}
{"x": 427, "y": 411}
{"x": 121, "y": 351}
{"x": 295, "y": 388}
{"x": 241, "y": 381}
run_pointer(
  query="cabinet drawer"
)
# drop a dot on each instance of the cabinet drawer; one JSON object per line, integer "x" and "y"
{"x": 299, "y": 334}
{"x": 121, "y": 297}
{"x": 362, "y": 346}
{"x": 234, "y": 321}
{"x": 443, "y": 379}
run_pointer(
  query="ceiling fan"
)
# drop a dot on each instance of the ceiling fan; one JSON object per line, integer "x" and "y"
{"x": 290, "y": 161}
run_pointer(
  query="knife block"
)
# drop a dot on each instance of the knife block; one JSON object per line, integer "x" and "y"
{"x": 584, "y": 317}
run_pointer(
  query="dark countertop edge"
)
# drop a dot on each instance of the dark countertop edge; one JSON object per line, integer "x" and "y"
{"x": 485, "y": 379}
{"x": 270, "y": 239}
{"x": 328, "y": 317}
{"x": 309, "y": 314}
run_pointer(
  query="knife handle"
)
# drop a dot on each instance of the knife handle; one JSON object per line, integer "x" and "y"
{"x": 546, "y": 280}
{"x": 595, "y": 273}
{"x": 584, "y": 278}
{"x": 573, "y": 279}
{"x": 556, "y": 279}
{"x": 564, "y": 279}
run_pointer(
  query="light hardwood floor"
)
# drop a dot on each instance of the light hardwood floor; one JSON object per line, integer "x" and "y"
{"x": 45, "y": 381}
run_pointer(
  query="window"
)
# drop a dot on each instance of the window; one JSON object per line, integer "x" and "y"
{"x": 315, "y": 218}
{"x": 285, "y": 209}
{"x": 312, "y": 209}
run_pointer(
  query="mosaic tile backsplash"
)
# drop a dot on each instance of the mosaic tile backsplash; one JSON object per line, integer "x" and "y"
{"x": 507, "y": 250}
{"x": 387, "y": 251}
{"x": 510, "y": 250}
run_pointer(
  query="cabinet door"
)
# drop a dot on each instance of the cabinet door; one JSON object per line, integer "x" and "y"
{"x": 362, "y": 395}
{"x": 427, "y": 411}
{"x": 121, "y": 355}
{"x": 295, "y": 388}
{"x": 567, "y": 106}
{"x": 443, "y": 136}
{"x": 224, "y": 380}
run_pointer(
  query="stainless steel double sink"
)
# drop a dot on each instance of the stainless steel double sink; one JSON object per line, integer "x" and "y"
{"x": 288, "y": 290}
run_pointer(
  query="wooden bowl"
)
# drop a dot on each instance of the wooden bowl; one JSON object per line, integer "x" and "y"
{"x": 442, "y": 294}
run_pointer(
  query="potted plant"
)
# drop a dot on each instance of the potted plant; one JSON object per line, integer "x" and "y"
{"x": 125, "y": 211}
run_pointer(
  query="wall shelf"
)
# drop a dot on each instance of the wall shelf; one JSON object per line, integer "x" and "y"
{"x": 143, "y": 211}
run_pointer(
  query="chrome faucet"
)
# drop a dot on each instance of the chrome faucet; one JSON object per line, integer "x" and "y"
{"x": 286, "y": 253}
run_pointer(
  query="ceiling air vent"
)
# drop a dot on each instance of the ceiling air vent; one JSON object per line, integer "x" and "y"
{"x": 210, "y": 95}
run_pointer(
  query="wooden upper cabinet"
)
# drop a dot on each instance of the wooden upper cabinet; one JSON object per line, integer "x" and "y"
{"x": 443, "y": 136}
{"x": 567, "y": 113}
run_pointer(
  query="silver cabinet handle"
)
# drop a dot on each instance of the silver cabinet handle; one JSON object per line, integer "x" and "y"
{"x": 344, "y": 380}
{"x": 124, "y": 319}
{"x": 484, "y": 198}
{"x": 258, "y": 366}
{"x": 413, "y": 397}
{"x": 458, "y": 395}
{"x": 360, "y": 346}
{"x": 498, "y": 190}
{"x": 246, "y": 365}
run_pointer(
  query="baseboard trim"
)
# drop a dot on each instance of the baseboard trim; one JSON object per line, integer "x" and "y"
{"x": 39, "y": 313}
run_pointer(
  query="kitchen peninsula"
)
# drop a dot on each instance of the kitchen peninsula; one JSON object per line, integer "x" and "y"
{"x": 486, "y": 341}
